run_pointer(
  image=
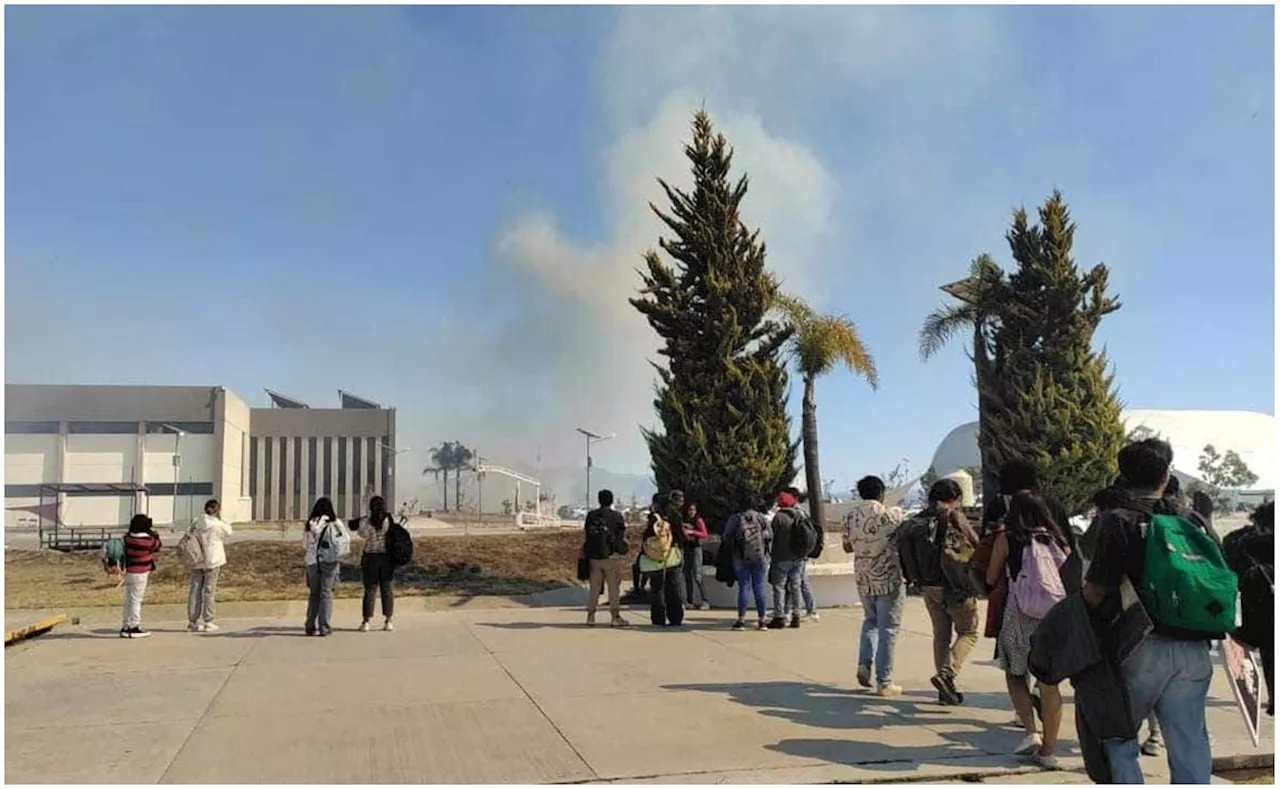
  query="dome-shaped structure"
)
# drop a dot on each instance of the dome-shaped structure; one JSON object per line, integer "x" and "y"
{"x": 1251, "y": 435}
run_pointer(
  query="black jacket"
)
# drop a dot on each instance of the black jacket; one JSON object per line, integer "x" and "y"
{"x": 784, "y": 523}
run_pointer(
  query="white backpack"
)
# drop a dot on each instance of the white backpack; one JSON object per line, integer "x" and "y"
{"x": 333, "y": 543}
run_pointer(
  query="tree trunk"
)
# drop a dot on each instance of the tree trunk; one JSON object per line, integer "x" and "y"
{"x": 809, "y": 434}
{"x": 457, "y": 489}
{"x": 446, "y": 490}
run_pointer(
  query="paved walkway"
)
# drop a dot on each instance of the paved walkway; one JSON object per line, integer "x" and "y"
{"x": 505, "y": 696}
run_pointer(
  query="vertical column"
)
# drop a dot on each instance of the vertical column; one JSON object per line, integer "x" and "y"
{"x": 306, "y": 482}
{"x": 353, "y": 491}
{"x": 379, "y": 453}
{"x": 331, "y": 490}
{"x": 287, "y": 508}
{"x": 260, "y": 480}
{"x": 274, "y": 511}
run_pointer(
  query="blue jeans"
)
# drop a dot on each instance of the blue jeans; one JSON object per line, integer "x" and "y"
{"x": 881, "y": 618}
{"x": 1171, "y": 679}
{"x": 753, "y": 576}
{"x": 806, "y": 592}
{"x": 784, "y": 576}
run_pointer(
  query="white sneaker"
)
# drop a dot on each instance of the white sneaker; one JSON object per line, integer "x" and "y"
{"x": 812, "y": 617}
{"x": 1047, "y": 761}
{"x": 388, "y": 627}
{"x": 1030, "y": 744}
{"x": 209, "y": 627}
{"x": 364, "y": 627}
{"x": 888, "y": 690}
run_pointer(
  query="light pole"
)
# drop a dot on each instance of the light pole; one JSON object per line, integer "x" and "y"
{"x": 391, "y": 466}
{"x": 592, "y": 438}
{"x": 177, "y": 469}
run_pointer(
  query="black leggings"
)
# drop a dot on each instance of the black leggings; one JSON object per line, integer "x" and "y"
{"x": 666, "y": 604}
{"x": 376, "y": 572}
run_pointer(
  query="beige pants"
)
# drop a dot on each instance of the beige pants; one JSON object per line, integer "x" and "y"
{"x": 949, "y": 658}
{"x": 606, "y": 571}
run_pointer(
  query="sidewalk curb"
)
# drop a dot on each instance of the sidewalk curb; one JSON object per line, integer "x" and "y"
{"x": 38, "y": 627}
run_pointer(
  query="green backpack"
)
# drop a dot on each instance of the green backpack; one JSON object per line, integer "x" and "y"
{"x": 1186, "y": 583}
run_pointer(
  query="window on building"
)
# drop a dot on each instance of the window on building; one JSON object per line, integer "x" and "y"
{"x": 268, "y": 480}
{"x": 342, "y": 465}
{"x": 357, "y": 470}
{"x": 103, "y": 428}
{"x": 327, "y": 467}
{"x": 195, "y": 428}
{"x": 253, "y": 466}
{"x": 31, "y": 428}
{"x": 282, "y": 476}
{"x": 184, "y": 489}
{"x": 297, "y": 477}
{"x": 312, "y": 464}
{"x": 371, "y": 468}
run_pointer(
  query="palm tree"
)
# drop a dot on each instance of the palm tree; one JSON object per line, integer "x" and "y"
{"x": 979, "y": 298}
{"x": 451, "y": 456}
{"x": 820, "y": 343}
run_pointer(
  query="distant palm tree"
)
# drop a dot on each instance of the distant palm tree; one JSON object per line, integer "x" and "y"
{"x": 451, "y": 456}
{"x": 819, "y": 344}
{"x": 979, "y": 299}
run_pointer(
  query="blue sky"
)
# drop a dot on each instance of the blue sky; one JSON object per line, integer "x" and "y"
{"x": 244, "y": 196}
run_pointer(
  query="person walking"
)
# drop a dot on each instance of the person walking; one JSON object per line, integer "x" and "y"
{"x": 660, "y": 560}
{"x": 748, "y": 536}
{"x": 376, "y": 570}
{"x": 605, "y": 544}
{"x": 141, "y": 545}
{"x": 1031, "y": 553}
{"x": 325, "y": 540}
{"x": 870, "y": 534}
{"x": 210, "y": 531}
{"x": 695, "y": 531}
{"x": 952, "y": 604}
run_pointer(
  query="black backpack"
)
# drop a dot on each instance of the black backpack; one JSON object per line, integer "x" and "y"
{"x": 598, "y": 544}
{"x": 399, "y": 544}
{"x": 804, "y": 537}
{"x": 918, "y": 551}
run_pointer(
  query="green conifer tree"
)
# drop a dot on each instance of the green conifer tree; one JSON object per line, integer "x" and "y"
{"x": 1052, "y": 397}
{"x": 721, "y": 398}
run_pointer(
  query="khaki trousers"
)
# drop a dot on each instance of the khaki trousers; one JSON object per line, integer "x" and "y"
{"x": 606, "y": 571}
{"x": 962, "y": 615}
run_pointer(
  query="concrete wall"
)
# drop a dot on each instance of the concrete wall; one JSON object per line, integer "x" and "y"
{"x": 231, "y": 475}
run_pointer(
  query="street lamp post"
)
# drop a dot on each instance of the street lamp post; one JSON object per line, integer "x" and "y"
{"x": 592, "y": 438}
{"x": 177, "y": 470}
{"x": 391, "y": 466}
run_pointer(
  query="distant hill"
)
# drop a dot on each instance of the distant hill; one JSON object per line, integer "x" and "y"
{"x": 566, "y": 483}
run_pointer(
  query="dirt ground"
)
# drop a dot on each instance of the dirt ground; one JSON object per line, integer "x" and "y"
{"x": 479, "y": 565}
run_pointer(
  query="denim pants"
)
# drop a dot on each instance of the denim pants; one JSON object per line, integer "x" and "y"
{"x": 785, "y": 578}
{"x": 751, "y": 575}
{"x": 881, "y": 618}
{"x": 693, "y": 589}
{"x": 202, "y": 593}
{"x": 322, "y": 577}
{"x": 805, "y": 591}
{"x": 1170, "y": 678}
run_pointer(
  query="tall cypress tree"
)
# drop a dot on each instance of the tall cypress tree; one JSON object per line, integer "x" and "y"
{"x": 721, "y": 398}
{"x": 1052, "y": 395}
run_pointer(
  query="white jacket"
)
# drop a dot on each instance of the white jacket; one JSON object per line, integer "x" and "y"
{"x": 211, "y": 531}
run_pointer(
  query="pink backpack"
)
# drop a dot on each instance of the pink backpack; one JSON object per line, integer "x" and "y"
{"x": 1038, "y": 586}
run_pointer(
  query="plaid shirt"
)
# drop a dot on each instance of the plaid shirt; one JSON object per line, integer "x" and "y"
{"x": 375, "y": 540}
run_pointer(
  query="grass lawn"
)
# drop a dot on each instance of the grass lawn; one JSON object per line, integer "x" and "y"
{"x": 490, "y": 565}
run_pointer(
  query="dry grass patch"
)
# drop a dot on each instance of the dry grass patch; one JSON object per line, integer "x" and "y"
{"x": 478, "y": 565}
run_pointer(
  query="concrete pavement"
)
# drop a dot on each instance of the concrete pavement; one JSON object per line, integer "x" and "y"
{"x": 507, "y": 696}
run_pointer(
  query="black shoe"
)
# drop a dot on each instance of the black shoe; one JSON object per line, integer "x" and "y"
{"x": 795, "y": 622}
{"x": 947, "y": 693}
{"x": 739, "y": 625}
{"x": 311, "y": 631}
{"x": 762, "y": 626}
{"x": 777, "y": 623}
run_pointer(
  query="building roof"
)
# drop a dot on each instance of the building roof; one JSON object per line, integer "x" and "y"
{"x": 1251, "y": 435}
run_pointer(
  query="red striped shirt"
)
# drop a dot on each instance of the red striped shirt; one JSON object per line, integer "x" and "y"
{"x": 140, "y": 552}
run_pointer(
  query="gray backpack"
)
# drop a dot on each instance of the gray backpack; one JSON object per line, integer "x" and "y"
{"x": 752, "y": 528}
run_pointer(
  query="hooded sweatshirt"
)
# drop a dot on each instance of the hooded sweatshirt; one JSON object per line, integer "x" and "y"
{"x": 211, "y": 531}
{"x": 870, "y": 529}
{"x": 783, "y": 522}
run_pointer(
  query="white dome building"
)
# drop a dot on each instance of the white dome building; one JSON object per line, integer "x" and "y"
{"x": 1251, "y": 435}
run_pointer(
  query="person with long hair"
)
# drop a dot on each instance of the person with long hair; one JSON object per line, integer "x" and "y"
{"x": 661, "y": 560}
{"x": 375, "y": 565}
{"x": 695, "y": 531}
{"x": 202, "y": 591}
{"x": 1028, "y": 522}
{"x": 141, "y": 545}
{"x": 322, "y": 572}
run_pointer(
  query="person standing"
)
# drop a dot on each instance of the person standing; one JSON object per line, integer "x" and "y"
{"x": 376, "y": 570}
{"x": 788, "y": 554}
{"x": 748, "y": 535}
{"x": 1169, "y": 671}
{"x": 141, "y": 545}
{"x": 695, "y": 531}
{"x": 806, "y": 591}
{"x": 322, "y": 541}
{"x": 210, "y": 531}
{"x": 1251, "y": 553}
{"x": 606, "y": 548}
{"x": 952, "y": 605}
{"x": 869, "y": 533}
{"x": 660, "y": 560}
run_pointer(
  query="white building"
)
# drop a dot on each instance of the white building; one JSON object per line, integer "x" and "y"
{"x": 1251, "y": 435}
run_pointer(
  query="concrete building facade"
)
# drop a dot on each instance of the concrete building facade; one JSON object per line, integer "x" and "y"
{"x": 186, "y": 445}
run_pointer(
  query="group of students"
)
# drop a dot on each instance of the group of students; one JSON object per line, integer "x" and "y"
{"x": 1098, "y": 610}
{"x": 326, "y": 541}
{"x": 763, "y": 542}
